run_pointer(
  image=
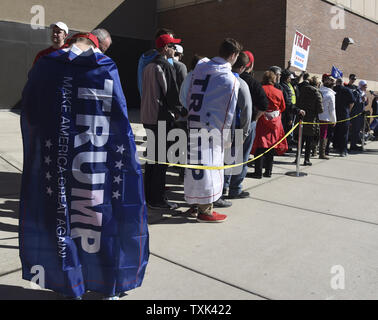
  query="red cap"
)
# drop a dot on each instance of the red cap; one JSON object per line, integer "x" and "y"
{"x": 251, "y": 58}
{"x": 165, "y": 39}
{"x": 327, "y": 76}
{"x": 89, "y": 36}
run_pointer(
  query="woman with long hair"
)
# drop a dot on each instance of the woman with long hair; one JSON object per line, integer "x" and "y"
{"x": 269, "y": 128}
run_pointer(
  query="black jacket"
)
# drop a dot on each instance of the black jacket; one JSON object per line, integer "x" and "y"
{"x": 259, "y": 99}
{"x": 170, "y": 102}
{"x": 287, "y": 95}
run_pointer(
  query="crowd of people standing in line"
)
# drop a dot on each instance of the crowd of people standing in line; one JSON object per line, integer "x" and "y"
{"x": 219, "y": 93}
{"x": 265, "y": 112}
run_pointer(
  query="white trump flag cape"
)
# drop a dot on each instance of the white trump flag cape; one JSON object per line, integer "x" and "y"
{"x": 211, "y": 101}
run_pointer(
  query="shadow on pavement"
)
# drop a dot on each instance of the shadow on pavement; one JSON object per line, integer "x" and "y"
{"x": 8, "y": 292}
{"x": 178, "y": 219}
{"x": 9, "y": 209}
{"x": 18, "y": 293}
{"x": 8, "y": 227}
{"x": 370, "y": 151}
{"x": 10, "y": 184}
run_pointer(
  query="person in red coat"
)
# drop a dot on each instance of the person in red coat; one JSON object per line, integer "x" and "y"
{"x": 269, "y": 128}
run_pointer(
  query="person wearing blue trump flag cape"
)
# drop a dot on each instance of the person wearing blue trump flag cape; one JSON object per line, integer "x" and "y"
{"x": 83, "y": 217}
{"x": 212, "y": 99}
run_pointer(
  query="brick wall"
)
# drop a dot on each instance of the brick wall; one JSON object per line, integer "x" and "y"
{"x": 313, "y": 18}
{"x": 258, "y": 25}
{"x": 267, "y": 28}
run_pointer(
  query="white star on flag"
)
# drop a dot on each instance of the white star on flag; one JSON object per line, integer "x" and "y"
{"x": 117, "y": 179}
{"x": 47, "y": 160}
{"x": 48, "y": 176}
{"x": 116, "y": 195}
{"x": 119, "y": 164}
{"x": 49, "y": 191}
{"x": 48, "y": 144}
{"x": 120, "y": 149}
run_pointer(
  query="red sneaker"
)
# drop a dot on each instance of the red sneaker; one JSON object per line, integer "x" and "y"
{"x": 214, "y": 218}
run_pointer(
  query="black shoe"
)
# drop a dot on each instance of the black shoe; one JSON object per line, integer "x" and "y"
{"x": 166, "y": 205}
{"x": 355, "y": 148}
{"x": 192, "y": 211}
{"x": 307, "y": 163}
{"x": 71, "y": 298}
{"x": 221, "y": 203}
{"x": 267, "y": 174}
{"x": 251, "y": 164}
{"x": 343, "y": 154}
{"x": 241, "y": 195}
{"x": 254, "y": 175}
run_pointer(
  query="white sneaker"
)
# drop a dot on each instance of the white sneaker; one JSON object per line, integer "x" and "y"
{"x": 111, "y": 298}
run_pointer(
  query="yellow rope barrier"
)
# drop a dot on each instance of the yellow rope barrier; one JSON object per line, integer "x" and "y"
{"x": 341, "y": 121}
{"x": 199, "y": 167}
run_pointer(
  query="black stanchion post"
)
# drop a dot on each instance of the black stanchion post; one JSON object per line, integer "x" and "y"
{"x": 297, "y": 173}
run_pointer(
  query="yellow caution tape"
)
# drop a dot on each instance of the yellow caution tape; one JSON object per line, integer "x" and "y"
{"x": 345, "y": 120}
{"x": 199, "y": 167}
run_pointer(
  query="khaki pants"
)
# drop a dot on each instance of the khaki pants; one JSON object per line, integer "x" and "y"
{"x": 205, "y": 209}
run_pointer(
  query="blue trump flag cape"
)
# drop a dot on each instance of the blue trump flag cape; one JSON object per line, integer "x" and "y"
{"x": 83, "y": 217}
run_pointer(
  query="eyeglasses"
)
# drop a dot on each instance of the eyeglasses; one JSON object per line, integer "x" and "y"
{"x": 171, "y": 46}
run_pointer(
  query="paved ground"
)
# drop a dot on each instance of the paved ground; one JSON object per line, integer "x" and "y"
{"x": 281, "y": 243}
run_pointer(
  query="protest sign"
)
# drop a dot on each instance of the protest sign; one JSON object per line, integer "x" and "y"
{"x": 301, "y": 51}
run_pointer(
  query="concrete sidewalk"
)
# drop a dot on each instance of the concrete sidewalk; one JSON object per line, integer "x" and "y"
{"x": 281, "y": 243}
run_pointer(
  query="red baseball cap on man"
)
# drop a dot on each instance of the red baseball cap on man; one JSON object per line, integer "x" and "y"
{"x": 89, "y": 36}
{"x": 250, "y": 56}
{"x": 165, "y": 39}
{"x": 327, "y": 76}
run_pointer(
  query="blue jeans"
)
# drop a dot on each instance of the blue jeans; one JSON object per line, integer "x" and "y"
{"x": 234, "y": 182}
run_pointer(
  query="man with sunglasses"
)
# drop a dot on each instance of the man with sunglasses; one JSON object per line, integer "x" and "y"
{"x": 160, "y": 102}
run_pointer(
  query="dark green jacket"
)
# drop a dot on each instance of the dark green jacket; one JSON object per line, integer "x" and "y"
{"x": 310, "y": 100}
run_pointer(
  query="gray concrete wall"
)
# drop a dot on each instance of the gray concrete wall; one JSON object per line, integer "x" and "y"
{"x": 131, "y": 23}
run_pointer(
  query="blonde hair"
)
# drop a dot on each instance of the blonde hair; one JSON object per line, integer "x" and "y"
{"x": 269, "y": 77}
{"x": 314, "y": 81}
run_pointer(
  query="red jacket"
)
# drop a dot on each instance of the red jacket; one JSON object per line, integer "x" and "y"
{"x": 46, "y": 52}
{"x": 269, "y": 132}
{"x": 275, "y": 98}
